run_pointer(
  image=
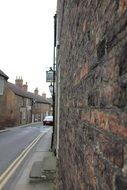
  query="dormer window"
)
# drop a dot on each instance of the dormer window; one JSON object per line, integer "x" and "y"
{"x": 1, "y": 85}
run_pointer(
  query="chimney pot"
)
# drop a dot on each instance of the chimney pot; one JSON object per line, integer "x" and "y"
{"x": 44, "y": 95}
{"x": 36, "y": 91}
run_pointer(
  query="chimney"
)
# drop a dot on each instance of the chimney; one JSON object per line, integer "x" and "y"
{"x": 25, "y": 87}
{"x": 36, "y": 91}
{"x": 19, "y": 82}
{"x": 44, "y": 95}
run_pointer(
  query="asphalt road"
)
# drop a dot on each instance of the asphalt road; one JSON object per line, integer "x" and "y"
{"x": 14, "y": 141}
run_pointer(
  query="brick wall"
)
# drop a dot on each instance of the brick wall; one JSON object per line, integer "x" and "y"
{"x": 93, "y": 94}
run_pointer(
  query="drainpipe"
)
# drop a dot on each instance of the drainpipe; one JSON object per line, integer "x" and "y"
{"x": 54, "y": 68}
{"x": 58, "y": 111}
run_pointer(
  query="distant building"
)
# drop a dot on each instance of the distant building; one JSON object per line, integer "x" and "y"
{"x": 3, "y": 79}
{"x": 18, "y": 106}
{"x": 3, "y": 100}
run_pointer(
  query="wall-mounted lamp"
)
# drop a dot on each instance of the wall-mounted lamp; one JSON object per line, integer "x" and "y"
{"x": 51, "y": 88}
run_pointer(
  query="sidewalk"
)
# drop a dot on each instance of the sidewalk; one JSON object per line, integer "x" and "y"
{"x": 39, "y": 170}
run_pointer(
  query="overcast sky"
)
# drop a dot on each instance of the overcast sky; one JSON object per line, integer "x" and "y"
{"x": 26, "y": 40}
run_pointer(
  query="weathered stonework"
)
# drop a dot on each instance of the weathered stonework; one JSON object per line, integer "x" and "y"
{"x": 17, "y": 108}
{"x": 93, "y": 94}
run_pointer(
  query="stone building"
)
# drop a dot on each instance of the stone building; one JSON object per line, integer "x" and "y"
{"x": 18, "y": 106}
{"x": 92, "y": 94}
{"x": 3, "y": 102}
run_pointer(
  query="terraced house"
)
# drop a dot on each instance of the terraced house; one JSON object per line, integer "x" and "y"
{"x": 18, "y": 106}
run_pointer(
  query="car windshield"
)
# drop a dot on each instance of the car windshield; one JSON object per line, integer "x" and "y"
{"x": 48, "y": 118}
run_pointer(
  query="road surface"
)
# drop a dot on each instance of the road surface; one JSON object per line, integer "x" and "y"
{"x": 14, "y": 141}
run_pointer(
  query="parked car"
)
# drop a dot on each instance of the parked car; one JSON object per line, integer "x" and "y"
{"x": 48, "y": 120}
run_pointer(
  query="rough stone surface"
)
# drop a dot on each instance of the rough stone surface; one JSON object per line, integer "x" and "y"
{"x": 93, "y": 94}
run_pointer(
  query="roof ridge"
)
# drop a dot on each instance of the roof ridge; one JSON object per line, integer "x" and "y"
{"x": 4, "y": 75}
{"x": 17, "y": 90}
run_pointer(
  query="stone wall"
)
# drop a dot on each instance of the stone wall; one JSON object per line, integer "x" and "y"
{"x": 8, "y": 112}
{"x": 93, "y": 94}
{"x": 11, "y": 106}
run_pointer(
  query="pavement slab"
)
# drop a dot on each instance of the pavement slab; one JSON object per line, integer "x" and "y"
{"x": 44, "y": 170}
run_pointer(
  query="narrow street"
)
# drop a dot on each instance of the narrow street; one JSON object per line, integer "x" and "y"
{"x": 14, "y": 141}
{"x": 21, "y": 179}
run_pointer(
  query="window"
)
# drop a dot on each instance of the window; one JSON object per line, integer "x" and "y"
{"x": 1, "y": 85}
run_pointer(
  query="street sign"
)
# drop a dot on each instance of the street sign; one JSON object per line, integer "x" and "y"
{"x": 49, "y": 76}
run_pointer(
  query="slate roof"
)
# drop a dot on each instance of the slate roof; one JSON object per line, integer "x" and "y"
{"x": 50, "y": 100}
{"x": 18, "y": 91}
{"x": 4, "y": 75}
